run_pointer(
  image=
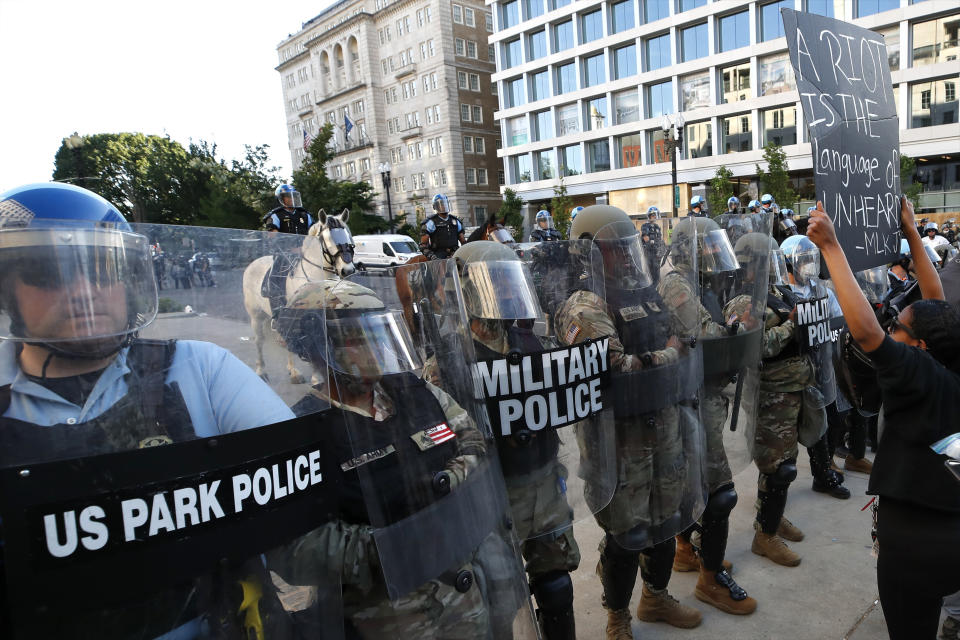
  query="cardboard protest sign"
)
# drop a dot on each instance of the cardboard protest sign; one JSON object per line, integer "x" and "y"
{"x": 846, "y": 93}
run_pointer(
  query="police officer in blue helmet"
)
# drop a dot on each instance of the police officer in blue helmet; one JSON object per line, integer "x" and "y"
{"x": 574, "y": 212}
{"x": 767, "y": 202}
{"x": 442, "y": 232}
{"x": 698, "y": 207}
{"x": 544, "y": 231}
{"x": 754, "y": 206}
{"x": 733, "y": 204}
{"x": 288, "y": 217}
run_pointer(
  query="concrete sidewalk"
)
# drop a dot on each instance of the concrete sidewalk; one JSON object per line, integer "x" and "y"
{"x": 831, "y": 595}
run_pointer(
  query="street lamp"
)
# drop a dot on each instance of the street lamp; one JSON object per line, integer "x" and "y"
{"x": 74, "y": 142}
{"x": 384, "y": 169}
{"x": 672, "y": 141}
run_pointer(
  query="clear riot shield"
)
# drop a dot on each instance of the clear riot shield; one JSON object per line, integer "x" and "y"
{"x": 419, "y": 465}
{"x": 656, "y": 373}
{"x": 185, "y": 499}
{"x": 736, "y": 301}
{"x": 549, "y": 404}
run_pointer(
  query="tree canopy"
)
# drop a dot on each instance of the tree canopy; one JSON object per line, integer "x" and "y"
{"x": 776, "y": 179}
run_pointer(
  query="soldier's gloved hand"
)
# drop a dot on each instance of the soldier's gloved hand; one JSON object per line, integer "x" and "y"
{"x": 674, "y": 342}
{"x": 441, "y": 483}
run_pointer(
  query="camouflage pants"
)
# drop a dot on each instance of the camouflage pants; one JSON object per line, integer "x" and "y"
{"x": 538, "y": 504}
{"x": 714, "y": 408}
{"x": 434, "y": 611}
{"x": 651, "y": 472}
{"x": 776, "y": 437}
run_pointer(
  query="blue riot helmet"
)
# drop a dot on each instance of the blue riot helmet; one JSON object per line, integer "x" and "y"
{"x": 754, "y": 206}
{"x": 766, "y": 200}
{"x": 787, "y": 212}
{"x": 733, "y": 204}
{"x": 574, "y": 212}
{"x": 802, "y": 257}
{"x": 544, "y": 219}
{"x": 288, "y": 197}
{"x": 904, "y": 247}
{"x": 74, "y": 277}
{"x": 653, "y": 213}
{"x": 441, "y": 204}
{"x": 698, "y": 201}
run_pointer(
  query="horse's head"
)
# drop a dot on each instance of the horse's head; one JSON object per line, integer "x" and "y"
{"x": 336, "y": 241}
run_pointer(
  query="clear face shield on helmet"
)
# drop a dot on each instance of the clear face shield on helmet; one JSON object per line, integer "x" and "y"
{"x": 290, "y": 199}
{"x": 370, "y": 344}
{"x": 441, "y": 204}
{"x": 74, "y": 285}
{"x": 716, "y": 252}
{"x": 544, "y": 220}
{"x": 806, "y": 265}
{"x": 624, "y": 265}
{"x": 501, "y": 235}
{"x": 500, "y": 290}
{"x": 873, "y": 283}
{"x": 778, "y": 267}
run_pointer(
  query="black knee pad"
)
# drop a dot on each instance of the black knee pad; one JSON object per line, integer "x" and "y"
{"x": 553, "y": 591}
{"x": 723, "y": 500}
{"x": 632, "y": 541}
{"x": 784, "y": 475}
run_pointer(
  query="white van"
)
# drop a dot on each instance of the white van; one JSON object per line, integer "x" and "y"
{"x": 383, "y": 251}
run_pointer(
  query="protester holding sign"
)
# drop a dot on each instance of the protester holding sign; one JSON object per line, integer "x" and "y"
{"x": 918, "y": 365}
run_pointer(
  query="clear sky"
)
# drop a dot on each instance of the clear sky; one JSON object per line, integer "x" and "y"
{"x": 201, "y": 69}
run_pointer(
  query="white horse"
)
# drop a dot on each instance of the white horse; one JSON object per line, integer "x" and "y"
{"x": 331, "y": 257}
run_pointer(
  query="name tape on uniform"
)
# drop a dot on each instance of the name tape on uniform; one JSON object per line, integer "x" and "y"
{"x": 548, "y": 389}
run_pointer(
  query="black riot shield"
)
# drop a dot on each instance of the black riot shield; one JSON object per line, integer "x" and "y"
{"x": 656, "y": 372}
{"x": 420, "y": 467}
{"x": 185, "y": 498}
{"x": 732, "y": 341}
{"x": 549, "y": 404}
{"x": 819, "y": 322}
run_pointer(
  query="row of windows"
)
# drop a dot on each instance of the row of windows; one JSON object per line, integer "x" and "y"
{"x": 412, "y": 119}
{"x": 467, "y": 16}
{"x": 403, "y": 25}
{"x": 468, "y": 49}
{"x": 350, "y": 168}
{"x": 473, "y": 144}
{"x": 404, "y": 58}
{"x": 415, "y": 150}
{"x": 471, "y": 113}
{"x": 438, "y": 178}
{"x": 476, "y": 176}
{"x": 468, "y": 81}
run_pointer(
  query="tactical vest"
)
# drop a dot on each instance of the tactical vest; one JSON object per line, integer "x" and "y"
{"x": 643, "y": 324}
{"x": 545, "y": 235}
{"x": 152, "y": 412}
{"x": 521, "y": 454}
{"x": 296, "y": 221}
{"x": 446, "y": 233}
{"x": 394, "y": 484}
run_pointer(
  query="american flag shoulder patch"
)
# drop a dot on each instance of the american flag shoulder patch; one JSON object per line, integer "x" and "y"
{"x": 572, "y": 333}
{"x": 433, "y": 436}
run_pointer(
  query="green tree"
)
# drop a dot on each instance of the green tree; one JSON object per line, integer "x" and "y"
{"x": 721, "y": 188}
{"x": 908, "y": 180}
{"x": 560, "y": 206}
{"x": 509, "y": 212}
{"x": 238, "y": 195}
{"x": 776, "y": 179}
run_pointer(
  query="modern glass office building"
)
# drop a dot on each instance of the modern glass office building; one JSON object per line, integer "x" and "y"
{"x": 585, "y": 85}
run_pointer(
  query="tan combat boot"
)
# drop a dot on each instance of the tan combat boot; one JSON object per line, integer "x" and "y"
{"x": 657, "y": 607}
{"x": 773, "y": 546}
{"x": 789, "y": 531}
{"x": 718, "y": 589}
{"x": 685, "y": 558}
{"x": 858, "y": 465}
{"x": 618, "y": 624}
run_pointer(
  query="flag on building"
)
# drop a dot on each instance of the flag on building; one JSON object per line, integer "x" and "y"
{"x": 307, "y": 140}
{"x": 347, "y": 125}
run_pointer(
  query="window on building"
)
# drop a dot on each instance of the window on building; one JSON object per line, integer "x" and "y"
{"x": 477, "y": 114}
{"x": 771, "y": 25}
{"x": 474, "y": 82}
{"x": 430, "y": 49}
{"x": 591, "y": 26}
{"x": 933, "y": 103}
{"x": 514, "y": 93}
{"x": 735, "y": 82}
{"x": 489, "y": 21}
{"x": 533, "y": 8}
{"x": 621, "y": 16}
{"x": 820, "y": 7}
{"x": 628, "y": 151}
{"x": 471, "y": 176}
{"x": 480, "y": 213}
{"x": 625, "y": 62}
{"x": 471, "y": 49}
{"x": 737, "y": 134}
{"x": 863, "y": 8}
{"x": 479, "y": 146}
{"x": 657, "y": 52}
{"x": 935, "y": 41}
{"x": 482, "y": 178}
{"x": 546, "y": 164}
{"x": 776, "y": 74}
{"x": 510, "y": 14}
{"x": 491, "y": 53}
{"x": 658, "y": 151}
{"x": 566, "y": 79}
{"x": 556, "y": 4}
{"x": 779, "y": 126}
{"x": 598, "y": 156}
{"x": 469, "y": 18}
{"x": 539, "y": 85}
{"x": 520, "y": 168}
{"x": 461, "y": 79}
{"x": 595, "y": 113}
{"x": 465, "y": 112}
{"x": 734, "y": 31}
{"x": 567, "y": 119}
{"x": 537, "y": 45}
{"x": 659, "y": 99}
{"x": 571, "y": 160}
{"x": 511, "y": 53}
{"x": 892, "y": 39}
{"x": 542, "y": 125}
{"x": 697, "y": 140}
{"x": 695, "y": 91}
{"x": 459, "y": 46}
{"x": 594, "y": 71}
{"x": 563, "y": 36}
{"x": 458, "y": 14}
{"x": 693, "y": 42}
{"x": 687, "y": 5}
{"x": 626, "y": 106}
{"x": 654, "y": 10}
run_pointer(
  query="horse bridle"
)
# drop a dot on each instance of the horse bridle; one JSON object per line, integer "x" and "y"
{"x": 330, "y": 257}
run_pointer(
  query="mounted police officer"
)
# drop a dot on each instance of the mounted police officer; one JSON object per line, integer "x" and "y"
{"x": 655, "y": 378}
{"x": 76, "y": 381}
{"x": 442, "y": 232}
{"x": 289, "y": 217}
{"x": 544, "y": 230}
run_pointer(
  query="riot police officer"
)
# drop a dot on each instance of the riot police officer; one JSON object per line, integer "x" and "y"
{"x": 442, "y": 232}
{"x": 733, "y": 204}
{"x": 767, "y": 202}
{"x": 653, "y": 431}
{"x": 652, "y": 237}
{"x": 574, "y": 212}
{"x": 754, "y": 206}
{"x": 544, "y": 230}
{"x": 288, "y": 217}
{"x": 698, "y": 207}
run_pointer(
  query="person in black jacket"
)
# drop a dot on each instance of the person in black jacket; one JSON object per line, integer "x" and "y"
{"x": 918, "y": 366}
{"x": 289, "y": 217}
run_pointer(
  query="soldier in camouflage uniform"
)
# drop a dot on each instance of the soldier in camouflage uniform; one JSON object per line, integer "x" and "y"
{"x": 449, "y": 606}
{"x": 651, "y": 466}
{"x": 716, "y": 261}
